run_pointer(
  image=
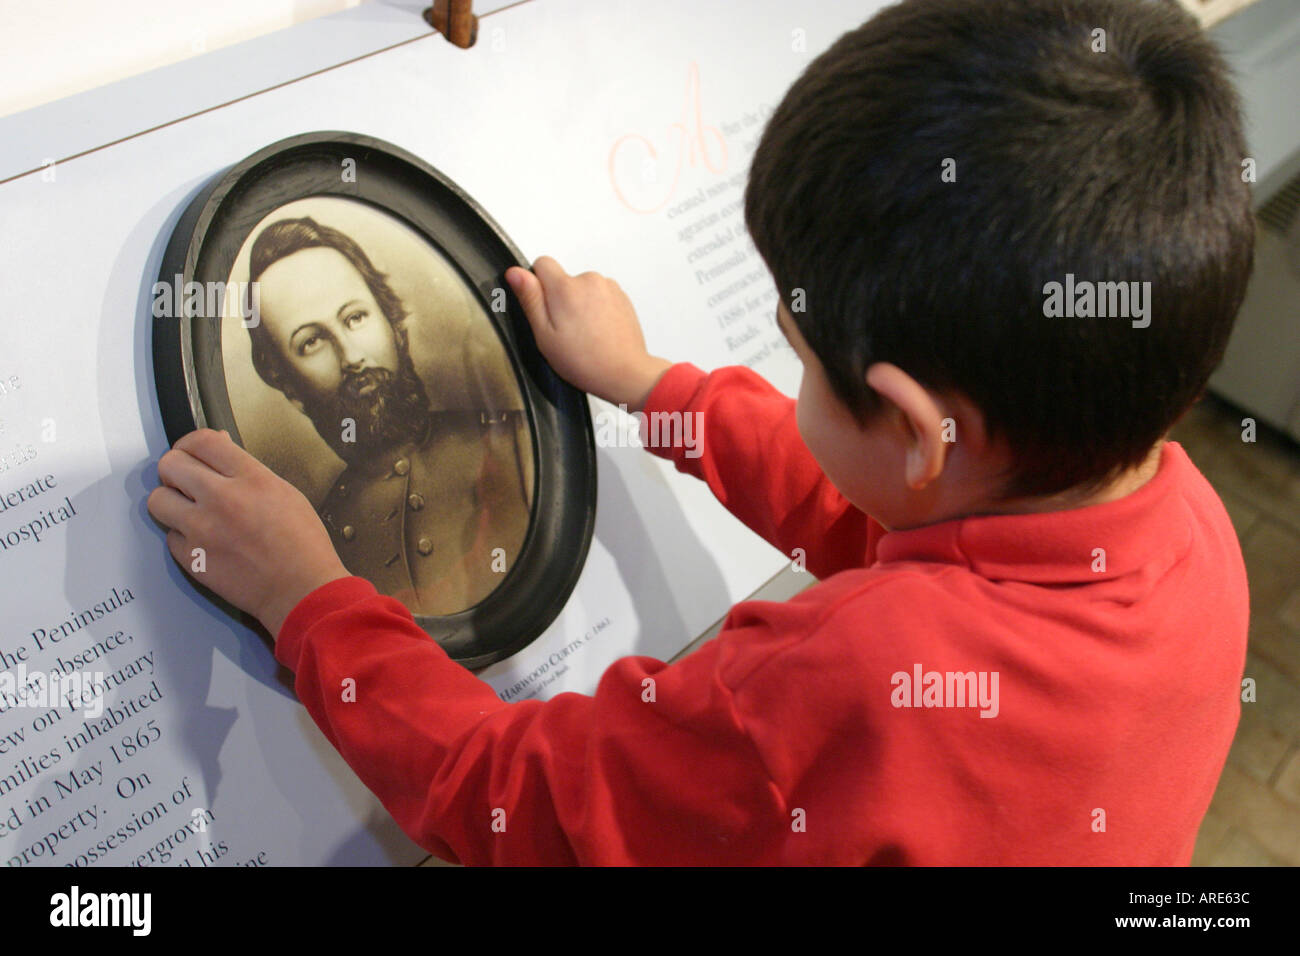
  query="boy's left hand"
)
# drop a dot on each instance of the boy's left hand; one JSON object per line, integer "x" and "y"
{"x": 264, "y": 547}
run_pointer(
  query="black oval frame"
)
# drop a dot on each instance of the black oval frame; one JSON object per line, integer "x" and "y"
{"x": 190, "y": 375}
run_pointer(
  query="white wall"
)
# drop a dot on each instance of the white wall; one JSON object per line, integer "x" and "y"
{"x": 54, "y": 48}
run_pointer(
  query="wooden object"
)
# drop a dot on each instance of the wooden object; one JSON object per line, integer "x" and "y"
{"x": 455, "y": 20}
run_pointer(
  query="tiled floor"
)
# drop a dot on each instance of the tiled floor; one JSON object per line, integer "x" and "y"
{"x": 1255, "y": 817}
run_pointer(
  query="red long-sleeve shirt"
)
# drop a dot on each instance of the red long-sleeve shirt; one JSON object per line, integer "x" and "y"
{"x": 1116, "y": 635}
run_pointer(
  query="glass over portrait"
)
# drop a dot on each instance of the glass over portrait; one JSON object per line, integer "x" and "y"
{"x": 363, "y": 369}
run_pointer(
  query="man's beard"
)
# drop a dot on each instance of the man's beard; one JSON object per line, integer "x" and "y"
{"x": 396, "y": 412}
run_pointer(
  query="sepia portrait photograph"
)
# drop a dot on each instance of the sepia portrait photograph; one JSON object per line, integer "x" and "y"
{"x": 364, "y": 369}
{"x": 339, "y": 307}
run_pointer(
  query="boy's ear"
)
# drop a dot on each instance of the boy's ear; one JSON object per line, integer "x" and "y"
{"x": 921, "y": 418}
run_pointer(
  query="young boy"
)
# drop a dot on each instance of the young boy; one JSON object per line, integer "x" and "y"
{"x": 1010, "y": 238}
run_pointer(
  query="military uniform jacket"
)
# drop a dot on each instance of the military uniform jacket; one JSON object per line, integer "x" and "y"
{"x": 438, "y": 522}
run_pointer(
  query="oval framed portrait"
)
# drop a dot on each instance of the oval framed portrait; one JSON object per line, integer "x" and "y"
{"x": 340, "y": 308}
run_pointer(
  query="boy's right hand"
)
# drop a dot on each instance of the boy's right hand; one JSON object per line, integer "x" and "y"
{"x": 587, "y": 329}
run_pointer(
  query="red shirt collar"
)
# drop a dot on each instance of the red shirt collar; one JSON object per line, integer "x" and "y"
{"x": 1146, "y": 530}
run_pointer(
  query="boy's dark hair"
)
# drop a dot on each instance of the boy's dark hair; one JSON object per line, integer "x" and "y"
{"x": 1123, "y": 165}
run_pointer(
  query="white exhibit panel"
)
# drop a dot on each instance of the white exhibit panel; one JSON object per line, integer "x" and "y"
{"x": 45, "y": 51}
{"x": 613, "y": 136}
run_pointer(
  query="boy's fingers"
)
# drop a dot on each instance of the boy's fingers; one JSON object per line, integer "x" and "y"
{"x": 529, "y": 292}
{"x": 549, "y": 270}
{"x": 215, "y": 449}
{"x": 169, "y": 507}
{"x": 191, "y": 477}
{"x": 179, "y": 548}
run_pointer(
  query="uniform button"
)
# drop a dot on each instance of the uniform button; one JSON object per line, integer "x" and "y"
{"x": 343, "y": 490}
{"x": 401, "y": 466}
{"x": 349, "y": 532}
{"x": 425, "y": 545}
{"x": 415, "y": 502}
